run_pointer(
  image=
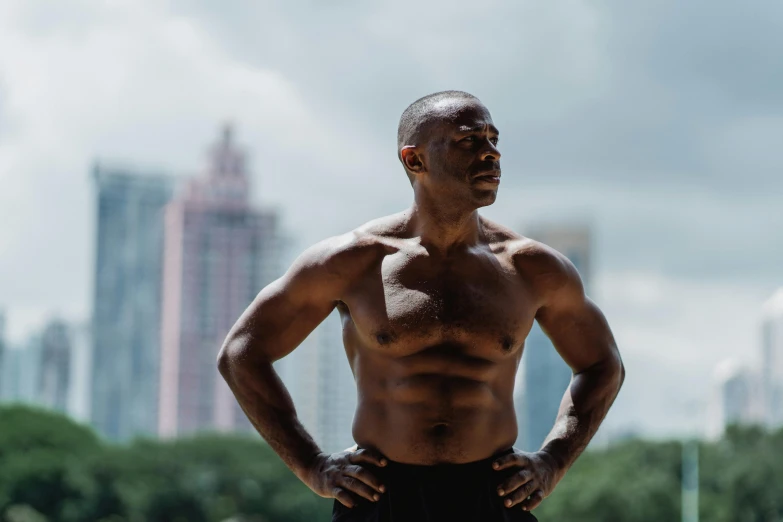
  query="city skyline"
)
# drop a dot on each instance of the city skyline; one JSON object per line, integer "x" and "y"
{"x": 50, "y": 370}
{"x": 618, "y": 428}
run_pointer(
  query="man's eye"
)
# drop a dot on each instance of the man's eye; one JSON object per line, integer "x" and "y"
{"x": 469, "y": 138}
{"x": 494, "y": 141}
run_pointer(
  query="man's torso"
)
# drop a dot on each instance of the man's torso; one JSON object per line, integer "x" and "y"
{"x": 434, "y": 341}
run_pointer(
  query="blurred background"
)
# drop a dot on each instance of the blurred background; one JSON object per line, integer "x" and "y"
{"x": 160, "y": 162}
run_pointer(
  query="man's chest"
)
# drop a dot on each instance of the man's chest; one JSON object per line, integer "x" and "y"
{"x": 408, "y": 301}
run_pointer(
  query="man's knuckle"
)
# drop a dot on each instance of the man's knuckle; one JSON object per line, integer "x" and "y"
{"x": 366, "y": 476}
{"x": 516, "y": 480}
{"x": 517, "y": 496}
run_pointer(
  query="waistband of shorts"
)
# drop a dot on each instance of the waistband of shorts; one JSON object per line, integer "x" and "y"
{"x": 447, "y": 469}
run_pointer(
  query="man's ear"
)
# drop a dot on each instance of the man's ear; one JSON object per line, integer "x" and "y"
{"x": 412, "y": 159}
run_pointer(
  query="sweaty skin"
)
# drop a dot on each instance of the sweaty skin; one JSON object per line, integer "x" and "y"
{"x": 435, "y": 302}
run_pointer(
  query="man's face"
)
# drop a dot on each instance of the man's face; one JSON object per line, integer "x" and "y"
{"x": 460, "y": 153}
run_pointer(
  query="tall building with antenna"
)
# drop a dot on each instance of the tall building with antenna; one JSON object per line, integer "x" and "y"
{"x": 219, "y": 252}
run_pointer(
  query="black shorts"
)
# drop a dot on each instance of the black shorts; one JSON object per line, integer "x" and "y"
{"x": 446, "y": 492}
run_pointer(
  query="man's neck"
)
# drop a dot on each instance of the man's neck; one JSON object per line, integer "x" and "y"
{"x": 443, "y": 229}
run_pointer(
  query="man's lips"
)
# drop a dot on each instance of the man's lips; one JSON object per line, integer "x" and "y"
{"x": 491, "y": 176}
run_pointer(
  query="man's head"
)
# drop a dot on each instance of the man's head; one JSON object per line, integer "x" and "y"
{"x": 448, "y": 145}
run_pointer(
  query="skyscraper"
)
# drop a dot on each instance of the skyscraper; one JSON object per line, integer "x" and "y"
{"x": 51, "y": 369}
{"x": 21, "y": 371}
{"x": 54, "y": 371}
{"x": 772, "y": 359}
{"x": 545, "y": 376}
{"x": 736, "y": 398}
{"x": 80, "y": 368}
{"x": 219, "y": 252}
{"x": 126, "y": 301}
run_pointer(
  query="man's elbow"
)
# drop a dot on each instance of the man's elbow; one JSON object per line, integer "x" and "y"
{"x": 224, "y": 362}
{"x": 619, "y": 371}
{"x": 610, "y": 371}
{"x": 241, "y": 355}
{"x": 228, "y": 355}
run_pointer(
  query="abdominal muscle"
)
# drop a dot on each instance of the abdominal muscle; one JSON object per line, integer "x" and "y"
{"x": 435, "y": 417}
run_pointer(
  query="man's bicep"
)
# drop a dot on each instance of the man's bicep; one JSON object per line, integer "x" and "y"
{"x": 575, "y": 325}
{"x": 579, "y": 332}
{"x": 286, "y": 311}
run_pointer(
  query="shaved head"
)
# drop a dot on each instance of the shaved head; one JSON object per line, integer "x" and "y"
{"x": 447, "y": 144}
{"x": 422, "y": 111}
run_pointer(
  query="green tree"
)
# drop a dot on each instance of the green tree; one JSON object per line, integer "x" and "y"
{"x": 41, "y": 458}
{"x": 54, "y": 470}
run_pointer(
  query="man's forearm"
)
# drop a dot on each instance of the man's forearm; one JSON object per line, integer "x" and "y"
{"x": 267, "y": 404}
{"x": 582, "y": 410}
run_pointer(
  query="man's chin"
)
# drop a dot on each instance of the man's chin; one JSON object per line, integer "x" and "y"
{"x": 485, "y": 198}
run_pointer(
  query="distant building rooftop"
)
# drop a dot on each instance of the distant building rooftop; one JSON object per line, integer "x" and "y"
{"x": 773, "y": 307}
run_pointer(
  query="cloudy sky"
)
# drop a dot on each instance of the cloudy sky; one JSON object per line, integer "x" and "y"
{"x": 660, "y": 122}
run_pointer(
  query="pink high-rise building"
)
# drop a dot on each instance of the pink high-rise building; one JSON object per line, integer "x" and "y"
{"x": 218, "y": 254}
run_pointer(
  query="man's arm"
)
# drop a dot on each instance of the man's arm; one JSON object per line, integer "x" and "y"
{"x": 580, "y": 334}
{"x": 582, "y": 337}
{"x": 282, "y": 315}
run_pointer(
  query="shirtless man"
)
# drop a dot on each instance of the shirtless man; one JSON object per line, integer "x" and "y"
{"x": 436, "y": 302}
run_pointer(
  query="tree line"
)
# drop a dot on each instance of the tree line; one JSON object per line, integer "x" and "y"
{"x": 55, "y": 470}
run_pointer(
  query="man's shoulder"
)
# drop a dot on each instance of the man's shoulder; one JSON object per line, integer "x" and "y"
{"x": 516, "y": 246}
{"x": 526, "y": 251}
{"x": 352, "y": 252}
{"x": 534, "y": 260}
{"x": 544, "y": 267}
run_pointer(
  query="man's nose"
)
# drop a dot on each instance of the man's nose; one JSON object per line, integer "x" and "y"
{"x": 490, "y": 152}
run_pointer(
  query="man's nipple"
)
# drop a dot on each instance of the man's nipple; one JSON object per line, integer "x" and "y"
{"x": 383, "y": 338}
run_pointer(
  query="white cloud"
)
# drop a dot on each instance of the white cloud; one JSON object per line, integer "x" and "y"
{"x": 135, "y": 85}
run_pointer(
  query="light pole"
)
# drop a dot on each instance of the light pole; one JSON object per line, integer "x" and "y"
{"x": 690, "y": 481}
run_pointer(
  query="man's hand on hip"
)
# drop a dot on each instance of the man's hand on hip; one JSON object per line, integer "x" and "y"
{"x": 342, "y": 476}
{"x": 535, "y": 478}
